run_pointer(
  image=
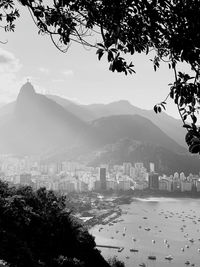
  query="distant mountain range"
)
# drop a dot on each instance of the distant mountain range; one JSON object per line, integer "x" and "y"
{"x": 169, "y": 125}
{"x": 58, "y": 129}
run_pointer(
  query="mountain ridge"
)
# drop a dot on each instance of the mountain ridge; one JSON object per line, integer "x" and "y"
{"x": 39, "y": 125}
{"x": 171, "y": 126}
{"x": 137, "y": 127}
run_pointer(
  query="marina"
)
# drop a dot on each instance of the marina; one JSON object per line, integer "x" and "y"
{"x": 170, "y": 241}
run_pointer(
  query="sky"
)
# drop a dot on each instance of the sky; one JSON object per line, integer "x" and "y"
{"x": 76, "y": 75}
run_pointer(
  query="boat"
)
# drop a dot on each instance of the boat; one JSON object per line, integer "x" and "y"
{"x": 187, "y": 262}
{"x": 120, "y": 249}
{"x": 133, "y": 250}
{"x": 169, "y": 257}
{"x": 142, "y": 264}
{"x": 147, "y": 229}
{"x": 152, "y": 257}
{"x": 153, "y": 241}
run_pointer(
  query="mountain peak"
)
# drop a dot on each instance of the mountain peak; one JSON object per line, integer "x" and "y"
{"x": 123, "y": 102}
{"x": 27, "y": 90}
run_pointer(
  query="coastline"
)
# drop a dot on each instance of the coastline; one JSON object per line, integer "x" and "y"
{"x": 108, "y": 209}
{"x": 147, "y": 193}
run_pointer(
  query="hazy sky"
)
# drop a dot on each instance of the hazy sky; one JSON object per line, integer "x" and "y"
{"x": 76, "y": 75}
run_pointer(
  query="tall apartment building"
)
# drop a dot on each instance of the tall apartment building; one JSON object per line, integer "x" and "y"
{"x": 126, "y": 168}
{"x": 102, "y": 176}
{"x": 153, "y": 180}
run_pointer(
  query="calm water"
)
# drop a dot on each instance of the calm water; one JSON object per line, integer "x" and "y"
{"x": 160, "y": 227}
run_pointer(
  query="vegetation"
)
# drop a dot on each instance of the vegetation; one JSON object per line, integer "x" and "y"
{"x": 114, "y": 262}
{"x": 37, "y": 230}
{"x": 168, "y": 29}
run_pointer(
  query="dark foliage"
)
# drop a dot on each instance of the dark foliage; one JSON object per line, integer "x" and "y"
{"x": 36, "y": 230}
{"x": 114, "y": 262}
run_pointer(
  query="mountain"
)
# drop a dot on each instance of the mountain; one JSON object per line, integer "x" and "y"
{"x": 169, "y": 125}
{"x": 39, "y": 125}
{"x": 113, "y": 128}
{"x": 78, "y": 110}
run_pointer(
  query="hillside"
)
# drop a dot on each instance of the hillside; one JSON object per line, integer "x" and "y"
{"x": 169, "y": 125}
{"x": 38, "y": 124}
{"x": 113, "y": 128}
{"x": 80, "y": 111}
{"x": 127, "y": 150}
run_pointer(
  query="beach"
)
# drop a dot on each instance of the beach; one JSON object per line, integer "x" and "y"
{"x": 167, "y": 228}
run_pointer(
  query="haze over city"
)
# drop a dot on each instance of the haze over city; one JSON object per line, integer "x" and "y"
{"x": 98, "y": 167}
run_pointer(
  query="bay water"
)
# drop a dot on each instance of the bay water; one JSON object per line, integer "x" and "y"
{"x": 159, "y": 227}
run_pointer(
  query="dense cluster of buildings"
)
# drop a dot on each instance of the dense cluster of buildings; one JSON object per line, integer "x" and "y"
{"x": 75, "y": 177}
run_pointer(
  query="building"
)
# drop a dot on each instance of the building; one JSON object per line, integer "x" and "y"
{"x": 25, "y": 179}
{"x": 152, "y": 167}
{"x": 176, "y": 185}
{"x": 139, "y": 165}
{"x": 111, "y": 185}
{"x": 165, "y": 185}
{"x": 126, "y": 168}
{"x": 123, "y": 185}
{"x": 141, "y": 185}
{"x": 198, "y": 185}
{"x": 153, "y": 180}
{"x": 97, "y": 185}
{"x": 186, "y": 186}
{"x": 102, "y": 178}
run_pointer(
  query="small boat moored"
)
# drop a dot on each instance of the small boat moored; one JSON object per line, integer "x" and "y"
{"x": 152, "y": 257}
{"x": 169, "y": 257}
{"x": 187, "y": 262}
{"x": 133, "y": 250}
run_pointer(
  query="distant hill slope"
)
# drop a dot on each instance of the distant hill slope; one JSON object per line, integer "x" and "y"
{"x": 38, "y": 124}
{"x": 113, "y": 128}
{"x": 80, "y": 111}
{"x": 128, "y": 150}
{"x": 7, "y": 109}
{"x": 171, "y": 126}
